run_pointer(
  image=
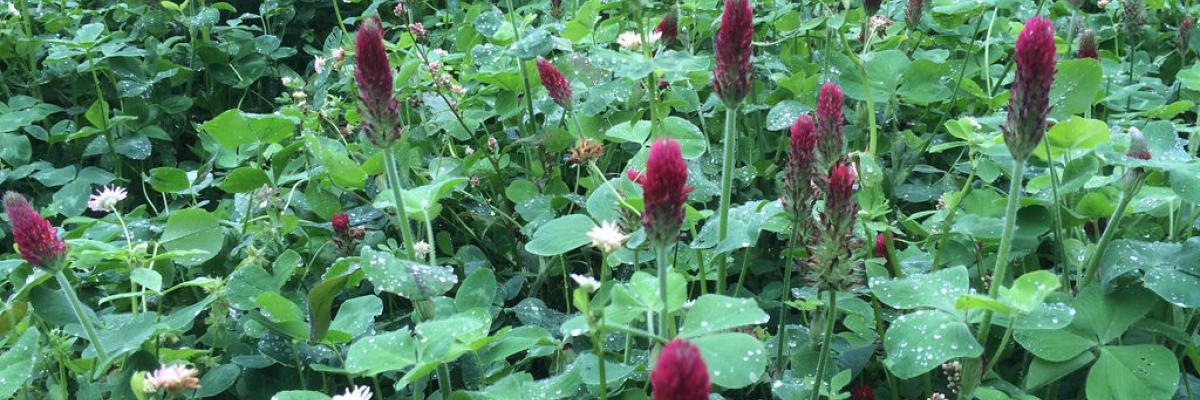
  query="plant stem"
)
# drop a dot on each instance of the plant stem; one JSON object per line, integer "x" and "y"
{"x": 664, "y": 316}
{"x": 729, "y": 158}
{"x": 77, "y": 308}
{"x": 1056, "y": 216}
{"x": 823, "y": 360}
{"x": 1093, "y": 260}
{"x": 598, "y": 347}
{"x": 780, "y": 361}
{"x": 393, "y": 179}
{"x": 1010, "y": 220}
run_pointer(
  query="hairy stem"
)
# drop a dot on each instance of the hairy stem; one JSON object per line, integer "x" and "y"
{"x": 77, "y": 308}
{"x": 393, "y": 179}
{"x": 1010, "y": 220}
{"x": 729, "y": 158}
{"x": 826, "y": 340}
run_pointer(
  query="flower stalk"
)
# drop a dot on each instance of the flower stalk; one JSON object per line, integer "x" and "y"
{"x": 728, "y": 159}
{"x": 826, "y": 340}
{"x": 81, "y": 315}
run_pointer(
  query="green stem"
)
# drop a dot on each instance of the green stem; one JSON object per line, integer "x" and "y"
{"x": 951, "y": 212}
{"x": 995, "y": 357}
{"x": 1056, "y": 216}
{"x": 1010, "y": 220}
{"x": 780, "y": 361}
{"x": 635, "y": 331}
{"x": 598, "y": 347}
{"x": 393, "y": 179}
{"x": 337, "y": 12}
{"x": 826, "y": 339}
{"x": 664, "y": 316}
{"x": 1093, "y": 260}
{"x": 729, "y": 158}
{"x": 77, "y": 308}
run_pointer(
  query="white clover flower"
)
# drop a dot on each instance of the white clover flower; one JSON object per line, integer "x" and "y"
{"x": 339, "y": 54}
{"x": 629, "y": 40}
{"x": 586, "y": 282}
{"x": 173, "y": 378}
{"x": 105, "y": 199}
{"x": 607, "y": 236}
{"x": 355, "y": 393}
{"x": 12, "y": 9}
{"x": 422, "y": 248}
{"x": 319, "y": 64}
{"x": 687, "y": 305}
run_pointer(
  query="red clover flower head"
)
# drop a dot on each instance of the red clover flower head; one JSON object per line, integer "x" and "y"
{"x": 554, "y": 82}
{"x": 1029, "y": 103}
{"x": 374, "y": 77}
{"x": 733, "y": 73}
{"x": 664, "y": 190}
{"x": 37, "y": 241}
{"x": 797, "y": 177}
{"x": 680, "y": 373}
{"x": 668, "y": 27}
{"x": 1087, "y": 45}
{"x": 829, "y": 123}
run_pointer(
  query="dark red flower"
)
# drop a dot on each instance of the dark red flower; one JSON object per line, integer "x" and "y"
{"x": 871, "y": 6}
{"x": 1087, "y": 45}
{"x": 862, "y": 392}
{"x": 829, "y": 123}
{"x": 37, "y": 241}
{"x": 668, "y": 27}
{"x": 341, "y": 224}
{"x": 733, "y": 73}
{"x": 798, "y": 175}
{"x": 664, "y": 190}
{"x": 912, "y": 14}
{"x": 840, "y": 209}
{"x": 680, "y": 373}
{"x": 1184, "y": 35}
{"x": 374, "y": 77}
{"x": 554, "y": 82}
{"x": 880, "y": 246}
{"x": 1029, "y": 103}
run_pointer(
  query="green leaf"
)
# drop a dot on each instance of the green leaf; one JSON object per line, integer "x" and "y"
{"x": 421, "y": 202}
{"x": 1029, "y": 290}
{"x": 1171, "y": 270}
{"x": 1145, "y": 371}
{"x": 734, "y": 360}
{"x": 1074, "y": 136}
{"x": 355, "y": 316}
{"x": 783, "y": 114}
{"x": 218, "y": 379}
{"x": 234, "y": 128}
{"x": 299, "y": 395}
{"x": 15, "y": 149}
{"x": 1075, "y": 85}
{"x": 477, "y": 291}
{"x": 883, "y": 72}
{"x": 391, "y": 351}
{"x": 193, "y": 229}
{"x": 1042, "y": 372}
{"x": 715, "y": 313}
{"x": 561, "y": 235}
{"x": 692, "y": 142}
{"x": 629, "y": 132}
{"x": 244, "y": 180}
{"x": 16, "y": 364}
{"x": 320, "y": 302}
{"x": 939, "y": 289}
{"x": 412, "y": 280}
{"x": 919, "y": 342}
{"x": 926, "y": 82}
{"x": 640, "y": 296}
{"x": 169, "y": 179}
{"x": 342, "y": 170}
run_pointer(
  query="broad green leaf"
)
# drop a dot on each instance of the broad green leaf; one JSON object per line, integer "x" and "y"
{"x": 1144, "y": 371}
{"x": 919, "y": 342}
{"x": 734, "y": 360}
{"x": 1042, "y": 372}
{"x": 939, "y": 289}
{"x": 234, "y": 128}
{"x": 320, "y": 302}
{"x": 1075, "y": 85}
{"x": 629, "y": 132}
{"x": 714, "y": 313}
{"x": 217, "y": 380}
{"x": 390, "y": 351}
{"x": 1172, "y": 270}
{"x": 16, "y": 364}
{"x": 1074, "y": 136}
{"x": 1029, "y": 290}
{"x": 244, "y": 180}
{"x": 692, "y": 142}
{"x": 342, "y": 170}
{"x": 560, "y": 235}
{"x": 926, "y": 82}
{"x": 299, "y": 395}
{"x": 356, "y": 316}
{"x": 193, "y": 229}
{"x": 412, "y": 280}
{"x": 883, "y": 72}
{"x": 169, "y": 179}
{"x": 783, "y": 114}
{"x": 476, "y": 291}
{"x": 640, "y": 296}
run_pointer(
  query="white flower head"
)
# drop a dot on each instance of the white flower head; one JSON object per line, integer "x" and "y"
{"x": 173, "y": 378}
{"x": 586, "y": 282}
{"x": 355, "y": 393}
{"x": 687, "y": 305}
{"x": 469, "y": 150}
{"x": 629, "y": 40}
{"x": 12, "y": 9}
{"x": 319, "y": 64}
{"x": 105, "y": 199}
{"x": 607, "y": 236}
{"x": 339, "y": 54}
{"x": 422, "y": 248}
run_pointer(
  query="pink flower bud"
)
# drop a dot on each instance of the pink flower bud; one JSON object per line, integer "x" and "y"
{"x": 1137, "y": 145}
{"x": 374, "y": 77}
{"x": 862, "y": 392}
{"x": 829, "y": 123}
{"x": 1087, "y": 45}
{"x": 668, "y": 27}
{"x": 733, "y": 73}
{"x": 341, "y": 224}
{"x": 1184, "y": 36}
{"x": 37, "y": 241}
{"x": 664, "y": 189}
{"x": 554, "y": 82}
{"x": 797, "y": 177}
{"x": 680, "y": 373}
{"x": 912, "y": 14}
{"x": 634, "y": 176}
{"x": 840, "y": 209}
{"x": 1029, "y": 103}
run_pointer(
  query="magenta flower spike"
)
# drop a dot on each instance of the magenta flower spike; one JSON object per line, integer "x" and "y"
{"x": 374, "y": 77}
{"x": 733, "y": 73}
{"x": 1029, "y": 103}
{"x": 680, "y": 373}
{"x": 37, "y": 241}
{"x": 912, "y": 14}
{"x": 668, "y": 27}
{"x": 829, "y": 123}
{"x": 664, "y": 190}
{"x": 555, "y": 83}
{"x": 797, "y": 177}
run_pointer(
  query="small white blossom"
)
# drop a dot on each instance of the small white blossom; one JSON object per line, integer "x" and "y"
{"x": 687, "y": 305}
{"x": 469, "y": 150}
{"x": 105, "y": 199}
{"x": 12, "y": 9}
{"x": 355, "y": 393}
{"x": 173, "y": 378}
{"x": 607, "y": 236}
{"x": 422, "y": 248}
{"x": 586, "y": 282}
{"x": 339, "y": 54}
{"x": 319, "y": 64}
{"x": 629, "y": 40}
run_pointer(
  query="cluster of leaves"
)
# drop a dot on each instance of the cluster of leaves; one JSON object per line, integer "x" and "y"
{"x": 236, "y": 129}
